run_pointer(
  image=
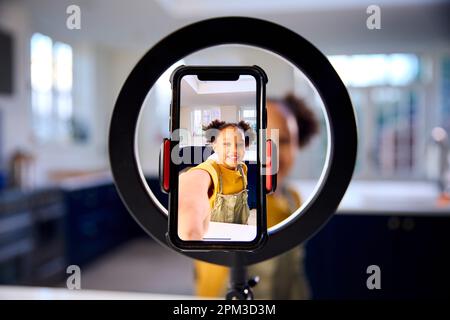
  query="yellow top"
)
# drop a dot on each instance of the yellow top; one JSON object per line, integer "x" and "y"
{"x": 279, "y": 207}
{"x": 211, "y": 279}
{"x": 232, "y": 181}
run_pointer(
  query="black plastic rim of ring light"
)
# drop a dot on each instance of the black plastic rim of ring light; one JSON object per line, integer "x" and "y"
{"x": 129, "y": 178}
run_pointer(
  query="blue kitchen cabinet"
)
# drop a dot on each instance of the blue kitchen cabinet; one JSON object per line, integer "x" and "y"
{"x": 422, "y": 257}
{"x": 96, "y": 222}
{"x": 411, "y": 251}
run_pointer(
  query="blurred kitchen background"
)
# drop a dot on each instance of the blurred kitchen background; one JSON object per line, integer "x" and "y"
{"x": 58, "y": 205}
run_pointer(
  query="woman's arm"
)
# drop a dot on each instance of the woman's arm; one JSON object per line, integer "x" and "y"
{"x": 193, "y": 204}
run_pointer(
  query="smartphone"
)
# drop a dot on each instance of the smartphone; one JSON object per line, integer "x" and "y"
{"x": 215, "y": 164}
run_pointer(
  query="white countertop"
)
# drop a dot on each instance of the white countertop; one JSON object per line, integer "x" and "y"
{"x": 87, "y": 181}
{"x": 385, "y": 197}
{"x": 42, "y": 293}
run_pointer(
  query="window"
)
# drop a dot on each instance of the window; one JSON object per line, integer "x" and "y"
{"x": 210, "y": 115}
{"x": 200, "y": 117}
{"x": 377, "y": 69}
{"x": 389, "y": 93}
{"x": 445, "y": 98}
{"x": 51, "y": 94}
{"x": 248, "y": 114}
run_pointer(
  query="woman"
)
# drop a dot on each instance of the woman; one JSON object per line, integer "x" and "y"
{"x": 216, "y": 190}
{"x": 281, "y": 277}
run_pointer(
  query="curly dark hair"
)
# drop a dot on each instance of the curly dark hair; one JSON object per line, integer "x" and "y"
{"x": 219, "y": 125}
{"x": 306, "y": 120}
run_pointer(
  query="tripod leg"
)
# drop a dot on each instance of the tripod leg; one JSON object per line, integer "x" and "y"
{"x": 240, "y": 287}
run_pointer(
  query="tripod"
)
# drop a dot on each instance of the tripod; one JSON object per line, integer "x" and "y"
{"x": 240, "y": 287}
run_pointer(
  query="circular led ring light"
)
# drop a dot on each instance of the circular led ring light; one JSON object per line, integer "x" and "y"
{"x": 342, "y": 131}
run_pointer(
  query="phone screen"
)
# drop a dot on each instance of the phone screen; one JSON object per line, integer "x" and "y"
{"x": 218, "y": 169}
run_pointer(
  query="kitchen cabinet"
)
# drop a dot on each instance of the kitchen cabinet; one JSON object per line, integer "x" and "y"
{"x": 48, "y": 261}
{"x": 44, "y": 231}
{"x": 16, "y": 240}
{"x": 412, "y": 252}
{"x": 31, "y": 237}
{"x": 96, "y": 222}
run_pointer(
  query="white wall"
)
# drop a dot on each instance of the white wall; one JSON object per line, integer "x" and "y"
{"x": 98, "y": 74}
{"x": 92, "y": 94}
{"x": 15, "y": 109}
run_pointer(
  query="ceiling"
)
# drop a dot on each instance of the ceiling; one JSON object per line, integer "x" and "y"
{"x": 333, "y": 26}
{"x": 197, "y": 8}
{"x": 214, "y": 93}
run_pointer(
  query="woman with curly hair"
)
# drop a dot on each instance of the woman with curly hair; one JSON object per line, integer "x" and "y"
{"x": 216, "y": 190}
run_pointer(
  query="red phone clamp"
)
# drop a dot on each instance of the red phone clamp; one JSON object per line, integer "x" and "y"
{"x": 164, "y": 166}
{"x": 271, "y": 166}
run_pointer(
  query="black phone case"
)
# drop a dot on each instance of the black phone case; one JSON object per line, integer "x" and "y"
{"x": 218, "y": 73}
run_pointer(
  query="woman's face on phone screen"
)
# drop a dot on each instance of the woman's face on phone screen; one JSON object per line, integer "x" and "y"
{"x": 230, "y": 146}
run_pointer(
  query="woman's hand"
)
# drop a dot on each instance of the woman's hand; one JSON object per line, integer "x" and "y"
{"x": 193, "y": 204}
